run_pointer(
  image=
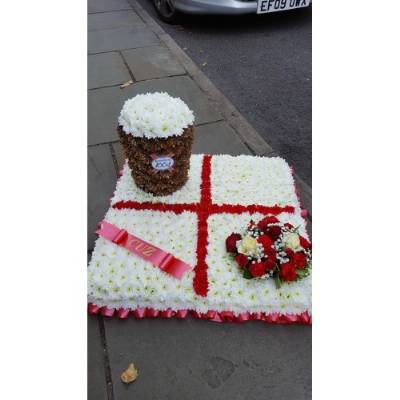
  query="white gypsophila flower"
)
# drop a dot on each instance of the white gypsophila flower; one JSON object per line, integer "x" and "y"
{"x": 155, "y": 115}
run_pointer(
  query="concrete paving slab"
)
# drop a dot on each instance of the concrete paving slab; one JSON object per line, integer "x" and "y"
{"x": 218, "y": 138}
{"x": 119, "y": 154}
{"x": 95, "y": 6}
{"x": 194, "y": 359}
{"x": 102, "y": 178}
{"x": 187, "y": 90}
{"x": 106, "y": 69}
{"x": 97, "y": 385}
{"x": 104, "y": 105}
{"x": 120, "y": 39}
{"x": 112, "y": 20}
{"x": 152, "y": 62}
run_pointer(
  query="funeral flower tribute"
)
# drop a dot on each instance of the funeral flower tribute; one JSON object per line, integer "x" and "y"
{"x": 156, "y": 132}
{"x": 162, "y": 246}
{"x": 165, "y": 256}
{"x": 271, "y": 249}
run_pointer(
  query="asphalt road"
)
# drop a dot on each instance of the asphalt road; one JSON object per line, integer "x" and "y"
{"x": 262, "y": 63}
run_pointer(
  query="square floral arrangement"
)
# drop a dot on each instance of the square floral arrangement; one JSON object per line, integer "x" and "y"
{"x": 232, "y": 243}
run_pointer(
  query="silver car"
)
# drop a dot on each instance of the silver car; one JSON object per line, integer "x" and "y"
{"x": 169, "y": 10}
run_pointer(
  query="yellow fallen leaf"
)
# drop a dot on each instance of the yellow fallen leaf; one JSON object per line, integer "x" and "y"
{"x": 130, "y": 374}
{"x": 125, "y": 84}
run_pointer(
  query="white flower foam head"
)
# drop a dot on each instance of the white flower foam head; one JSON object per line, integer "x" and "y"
{"x": 155, "y": 115}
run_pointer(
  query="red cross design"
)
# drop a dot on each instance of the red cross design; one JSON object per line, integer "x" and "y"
{"x": 203, "y": 209}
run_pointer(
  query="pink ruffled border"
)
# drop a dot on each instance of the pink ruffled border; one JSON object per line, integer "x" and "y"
{"x": 223, "y": 316}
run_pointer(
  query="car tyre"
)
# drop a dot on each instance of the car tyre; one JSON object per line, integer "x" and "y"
{"x": 166, "y": 11}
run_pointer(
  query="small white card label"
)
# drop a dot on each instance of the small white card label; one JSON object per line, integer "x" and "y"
{"x": 162, "y": 163}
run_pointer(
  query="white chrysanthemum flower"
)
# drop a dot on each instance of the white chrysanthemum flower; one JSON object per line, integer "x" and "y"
{"x": 155, "y": 115}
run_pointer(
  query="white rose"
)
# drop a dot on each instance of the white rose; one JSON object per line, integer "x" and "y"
{"x": 292, "y": 241}
{"x": 248, "y": 245}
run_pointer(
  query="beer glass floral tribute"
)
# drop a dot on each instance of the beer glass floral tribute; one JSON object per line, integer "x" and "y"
{"x": 156, "y": 132}
{"x": 271, "y": 249}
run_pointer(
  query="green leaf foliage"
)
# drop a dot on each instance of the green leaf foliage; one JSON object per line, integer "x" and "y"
{"x": 247, "y": 274}
{"x": 278, "y": 281}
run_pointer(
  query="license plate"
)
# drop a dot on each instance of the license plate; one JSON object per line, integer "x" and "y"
{"x": 268, "y": 6}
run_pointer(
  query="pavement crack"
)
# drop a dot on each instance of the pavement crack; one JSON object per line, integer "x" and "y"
{"x": 114, "y": 159}
{"x": 107, "y": 368}
{"x": 127, "y": 66}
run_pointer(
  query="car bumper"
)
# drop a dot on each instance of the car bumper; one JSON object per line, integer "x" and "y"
{"x": 215, "y": 6}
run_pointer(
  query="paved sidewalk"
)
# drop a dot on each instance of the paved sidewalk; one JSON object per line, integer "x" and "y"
{"x": 189, "y": 359}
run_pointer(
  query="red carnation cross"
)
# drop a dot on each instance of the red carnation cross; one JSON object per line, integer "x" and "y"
{"x": 203, "y": 209}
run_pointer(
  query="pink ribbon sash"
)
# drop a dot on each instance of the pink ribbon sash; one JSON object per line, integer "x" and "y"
{"x": 160, "y": 258}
